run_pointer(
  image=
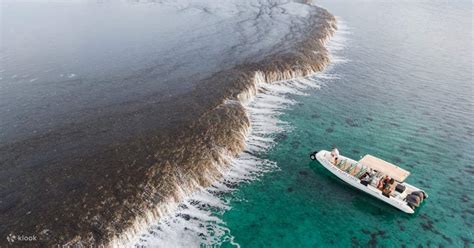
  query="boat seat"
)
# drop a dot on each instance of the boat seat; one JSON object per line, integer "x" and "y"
{"x": 361, "y": 172}
{"x": 345, "y": 165}
{"x": 351, "y": 167}
{"x": 340, "y": 163}
{"x": 357, "y": 171}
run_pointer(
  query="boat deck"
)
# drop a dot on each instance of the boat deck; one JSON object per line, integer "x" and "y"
{"x": 356, "y": 169}
{"x": 366, "y": 176}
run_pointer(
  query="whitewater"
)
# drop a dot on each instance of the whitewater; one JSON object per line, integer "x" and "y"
{"x": 144, "y": 112}
{"x": 195, "y": 221}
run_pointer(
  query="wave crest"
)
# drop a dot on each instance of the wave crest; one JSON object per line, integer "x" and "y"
{"x": 217, "y": 152}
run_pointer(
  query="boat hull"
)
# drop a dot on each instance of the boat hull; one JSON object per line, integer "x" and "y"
{"x": 321, "y": 156}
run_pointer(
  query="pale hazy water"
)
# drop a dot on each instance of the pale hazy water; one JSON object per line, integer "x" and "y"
{"x": 405, "y": 95}
{"x": 97, "y": 98}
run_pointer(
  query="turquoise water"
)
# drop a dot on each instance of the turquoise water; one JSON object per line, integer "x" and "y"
{"x": 405, "y": 95}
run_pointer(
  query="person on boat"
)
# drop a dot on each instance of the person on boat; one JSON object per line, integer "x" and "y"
{"x": 386, "y": 183}
{"x": 387, "y": 187}
{"x": 382, "y": 182}
{"x": 365, "y": 178}
{"x": 367, "y": 175}
{"x": 335, "y": 154}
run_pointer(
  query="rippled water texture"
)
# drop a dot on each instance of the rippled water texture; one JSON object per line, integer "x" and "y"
{"x": 113, "y": 112}
{"x": 404, "y": 94}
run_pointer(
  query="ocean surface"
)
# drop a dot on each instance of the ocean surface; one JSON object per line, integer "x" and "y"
{"x": 152, "y": 123}
{"x": 400, "y": 88}
{"x": 404, "y": 94}
{"x": 113, "y": 111}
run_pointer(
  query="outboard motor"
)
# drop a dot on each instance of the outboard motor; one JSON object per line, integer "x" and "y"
{"x": 420, "y": 194}
{"x": 413, "y": 200}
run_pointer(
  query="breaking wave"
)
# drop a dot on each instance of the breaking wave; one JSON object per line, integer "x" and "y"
{"x": 172, "y": 200}
{"x": 196, "y": 219}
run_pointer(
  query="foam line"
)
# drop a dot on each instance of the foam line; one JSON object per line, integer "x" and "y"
{"x": 181, "y": 208}
{"x": 195, "y": 221}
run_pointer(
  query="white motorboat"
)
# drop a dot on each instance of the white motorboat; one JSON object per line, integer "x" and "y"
{"x": 372, "y": 175}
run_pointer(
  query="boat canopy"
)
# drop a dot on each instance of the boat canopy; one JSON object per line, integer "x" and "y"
{"x": 385, "y": 167}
